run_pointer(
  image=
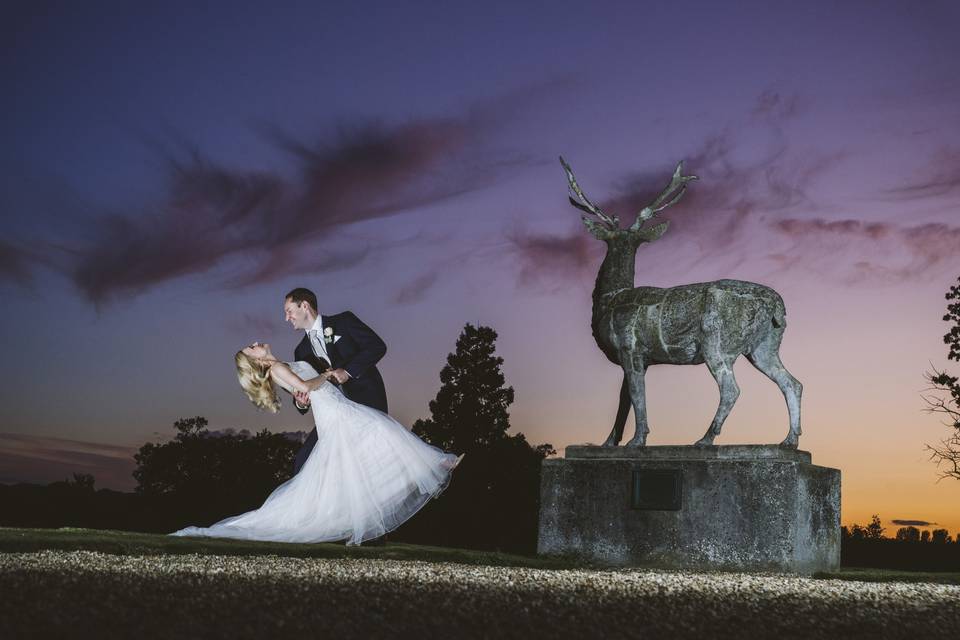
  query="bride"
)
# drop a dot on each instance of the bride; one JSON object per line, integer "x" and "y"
{"x": 366, "y": 475}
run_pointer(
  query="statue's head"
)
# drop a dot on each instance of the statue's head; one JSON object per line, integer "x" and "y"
{"x": 607, "y": 227}
{"x": 616, "y": 235}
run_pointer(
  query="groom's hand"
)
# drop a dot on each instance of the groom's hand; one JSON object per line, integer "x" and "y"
{"x": 302, "y": 399}
{"x": 340, "y": 375}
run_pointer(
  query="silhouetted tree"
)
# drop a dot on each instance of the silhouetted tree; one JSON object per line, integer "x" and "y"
{"x": 80, "y": 485}
{"x": 857, "y": 532}
{"x": 874, "y": 530}
{"x": 470, "y": 410}
{"x": 207, "y": 476}
{"x": 83, "y": 482}
{"x": 908, "y": 534}
{"x": 941, "y": 536}
{"x": 493, "y": 501}
{"x": 946, "y": 398}
{"x": 190, "y": 427}
{"x": 910, "y": 549}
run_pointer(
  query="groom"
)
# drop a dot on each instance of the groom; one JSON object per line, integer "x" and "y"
{"x": 341, "y": 342}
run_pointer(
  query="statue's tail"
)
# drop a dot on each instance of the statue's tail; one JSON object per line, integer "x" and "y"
{"x": 779, "y": 313}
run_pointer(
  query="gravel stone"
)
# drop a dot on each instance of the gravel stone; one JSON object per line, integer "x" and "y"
{"x": 68, "y": 594}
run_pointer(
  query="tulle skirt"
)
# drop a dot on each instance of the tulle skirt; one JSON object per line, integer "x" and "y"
{"x": 366, "y": 476}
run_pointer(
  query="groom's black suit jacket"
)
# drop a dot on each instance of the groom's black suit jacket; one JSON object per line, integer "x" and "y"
{"x": 357, "y": 350}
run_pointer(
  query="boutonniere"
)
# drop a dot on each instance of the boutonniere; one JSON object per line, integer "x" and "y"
{"x": 328, "y": 335}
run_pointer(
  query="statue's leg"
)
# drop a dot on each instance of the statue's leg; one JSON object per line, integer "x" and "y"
{"x": 722, "y": 370}
{"x": 766, "y": 358}
{"x": 635, "y": 381}
{"x": 623, "y": 410}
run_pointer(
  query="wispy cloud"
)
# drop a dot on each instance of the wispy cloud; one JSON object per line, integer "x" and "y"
{"x": 258, "y": 226}
{"x": 776, "y": 106}
{"x": 212, "y": 213}
{"x": 734, "y": 195}
{"x": 886, "y": 252}
{"x": 757, "y": 194}
{"x": 939, "y": 178}
{"x": 913, "y": 523}
{"x": 417, "y": 289}
{"x": 546, "y": 261}
{"x": 741, "y": 186}
{"x": 15, "y": 264}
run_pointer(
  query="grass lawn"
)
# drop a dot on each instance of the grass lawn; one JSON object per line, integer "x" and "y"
{"x": 138, "y": 544}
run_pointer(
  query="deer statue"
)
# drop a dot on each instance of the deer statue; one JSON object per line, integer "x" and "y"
{"x": 711, "y": 322}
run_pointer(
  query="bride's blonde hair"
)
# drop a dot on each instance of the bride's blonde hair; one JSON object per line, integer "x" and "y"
{"x": 256, "y": 383}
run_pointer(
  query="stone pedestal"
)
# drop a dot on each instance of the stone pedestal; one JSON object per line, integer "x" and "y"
{"x": 742, "y": 507}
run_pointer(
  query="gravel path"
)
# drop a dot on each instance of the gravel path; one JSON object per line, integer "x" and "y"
{"x": 69, "y": 594}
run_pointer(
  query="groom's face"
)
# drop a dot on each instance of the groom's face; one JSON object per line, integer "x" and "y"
{"x": 300, "y": 315}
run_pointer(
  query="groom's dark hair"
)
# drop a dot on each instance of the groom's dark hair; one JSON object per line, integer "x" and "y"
{"x": 300, "y": 294}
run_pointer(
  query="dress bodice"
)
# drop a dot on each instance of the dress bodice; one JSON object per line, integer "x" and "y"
{"x": 303, "y": 370}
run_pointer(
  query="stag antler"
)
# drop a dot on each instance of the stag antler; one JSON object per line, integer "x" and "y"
{"x": 580, "y": 201}
{"x": 678, "y": 181}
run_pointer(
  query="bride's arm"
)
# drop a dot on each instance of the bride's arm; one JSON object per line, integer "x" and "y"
{"x": 281, "y": 373}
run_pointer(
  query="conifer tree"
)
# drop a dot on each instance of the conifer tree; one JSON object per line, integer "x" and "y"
{"x": 470, "y": 410}
{"x": 493, "y": 501}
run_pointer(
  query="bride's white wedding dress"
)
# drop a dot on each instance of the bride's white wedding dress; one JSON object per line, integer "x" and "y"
{"x": 366, "y": 476}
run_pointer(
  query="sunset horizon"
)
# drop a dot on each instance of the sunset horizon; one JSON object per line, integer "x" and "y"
{"x": 170, "y": 174}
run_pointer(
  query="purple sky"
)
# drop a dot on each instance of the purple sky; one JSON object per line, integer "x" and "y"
{"x": 169, "y": 172}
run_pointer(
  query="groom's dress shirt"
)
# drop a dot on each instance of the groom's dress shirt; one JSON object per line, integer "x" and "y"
{"x": 318, "y": 342}
{"x": 315, "y": 336}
